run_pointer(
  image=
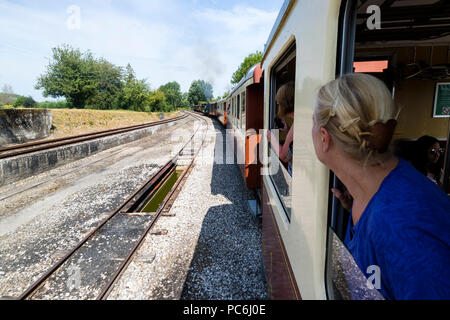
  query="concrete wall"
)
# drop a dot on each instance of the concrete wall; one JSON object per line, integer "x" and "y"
{"x": 23, "y": 125}
{"x": 24, "y": 166}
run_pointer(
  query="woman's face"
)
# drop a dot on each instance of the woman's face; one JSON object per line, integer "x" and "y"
{"x": 434, "y": 153}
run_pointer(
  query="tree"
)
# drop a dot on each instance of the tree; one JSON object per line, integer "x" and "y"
{"x": 172, "y": 93}
{"x": 70, "y": 74}
{"x": 195, "y": 93}
{"x": 83, "y": 80}
{"x": 200, "y": 90}
{"x": 248, "y": 62}
{"x": 129, "y": 75}
{"x": 7, "y": 89}
{"x": 25, "y": 102}
{"x": 7, "y": 96}
{"x": 109, "y": 85}
{"x": 185, "y": 100}
{"x": 157, "y": 101}
{"x": 135, "y": 95}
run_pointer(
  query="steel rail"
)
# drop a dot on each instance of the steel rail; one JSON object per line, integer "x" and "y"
{"x": 109, "y": 286}
{"x": 147, "y": 188}
{"x": 54, "y": 143}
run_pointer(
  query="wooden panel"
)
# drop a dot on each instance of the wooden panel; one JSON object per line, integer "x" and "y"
{"x": 254, "y": 123}
{"x": 281, "y": 282}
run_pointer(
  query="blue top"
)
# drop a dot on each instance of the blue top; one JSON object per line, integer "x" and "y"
{"x": 405, "y": 231}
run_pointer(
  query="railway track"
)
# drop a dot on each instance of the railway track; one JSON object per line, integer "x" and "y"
{"x": 97, "y": 261}
{"x": 26, "y": 148}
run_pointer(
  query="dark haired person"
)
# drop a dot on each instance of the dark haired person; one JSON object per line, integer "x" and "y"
{"x": 400, "y": 220}
{"x": 426, "y": 155}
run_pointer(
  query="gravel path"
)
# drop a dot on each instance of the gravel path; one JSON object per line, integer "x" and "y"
{"x": 211, "y": 248}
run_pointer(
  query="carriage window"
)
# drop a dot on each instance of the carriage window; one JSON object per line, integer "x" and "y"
{"x": 233, "y": 102}
{"x": 281, "y": 115}
{"x": 243, "y": 125}
{"x": 232, "y": 107}
{"x": 413, "y": 69}
{"x": 235, "y": 111}
{"x": 238, "y": 110}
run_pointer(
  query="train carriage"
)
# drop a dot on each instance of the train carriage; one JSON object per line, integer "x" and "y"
{"x": 243, "y": 118}
{"x": 311, "y": 43}
{"x": 213, "y": 109}
{"x": 221, "y": 112}
{"x": 303, "y": 224}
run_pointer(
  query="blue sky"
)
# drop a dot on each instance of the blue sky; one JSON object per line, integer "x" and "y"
{"x": 164, "y": 40}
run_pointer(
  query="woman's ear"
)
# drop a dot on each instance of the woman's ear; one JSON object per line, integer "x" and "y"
{"x": 325, "y": 139}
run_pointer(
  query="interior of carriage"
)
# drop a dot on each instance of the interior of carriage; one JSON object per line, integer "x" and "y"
{"x": 411, "y": 54}
{"x": 410, "y": 51}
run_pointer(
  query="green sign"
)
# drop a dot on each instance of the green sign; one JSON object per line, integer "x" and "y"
{"x": 442, "y": 100}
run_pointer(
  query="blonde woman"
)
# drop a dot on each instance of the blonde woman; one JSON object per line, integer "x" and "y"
{"x": 400, "y": 220}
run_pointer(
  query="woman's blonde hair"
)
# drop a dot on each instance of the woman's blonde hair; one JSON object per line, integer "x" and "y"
{"x": 359, "y": 113}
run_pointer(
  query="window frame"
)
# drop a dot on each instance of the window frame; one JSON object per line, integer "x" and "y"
{"x": 243, "y": 110}
{"x": 344, "y": 65}
{"x": 288, "y": 55}
{"x": 238, "y": 107}
{"x": 337, "y": 220}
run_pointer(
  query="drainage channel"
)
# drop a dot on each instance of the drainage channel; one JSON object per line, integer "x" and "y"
{"x": 155, "y": 201}
{"x": 90, "y": 269}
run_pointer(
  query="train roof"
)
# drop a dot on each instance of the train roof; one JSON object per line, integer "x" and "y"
{"x": 250, "y": 74}
{"x": 281, "y": 16}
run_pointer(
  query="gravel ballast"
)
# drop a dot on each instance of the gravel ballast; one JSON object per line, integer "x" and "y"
{"x": 211, "y": 248}
{"x": 208, "y": 247}
{"x": 39, "y": 225}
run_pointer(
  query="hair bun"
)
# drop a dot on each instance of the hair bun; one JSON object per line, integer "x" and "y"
{"x": 380, "y": 135}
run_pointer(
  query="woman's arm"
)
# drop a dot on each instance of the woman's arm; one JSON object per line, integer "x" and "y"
{"x": 285, "y": 148}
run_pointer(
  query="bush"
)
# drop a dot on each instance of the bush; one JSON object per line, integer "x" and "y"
{"x": 54, "y": 105}
{"x": 25, "y": 102}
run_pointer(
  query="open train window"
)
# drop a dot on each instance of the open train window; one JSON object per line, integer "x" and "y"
{"x": 400, "y": 54}
{"x": 238, "y": 111}
{"x": 243, "y": 105}
{"x": 280, "y": 124}
{"x": 233, "y": 101}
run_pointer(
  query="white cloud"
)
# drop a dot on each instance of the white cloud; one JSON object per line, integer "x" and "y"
{"x": 233, "y": 34}
{"x": 163, "y": 40}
